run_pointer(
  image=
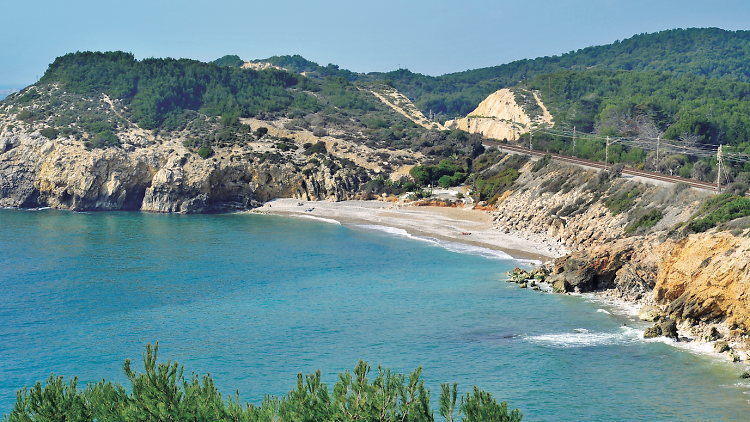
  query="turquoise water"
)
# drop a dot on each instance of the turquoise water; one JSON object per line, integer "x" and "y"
{"x": 253, "y": 300}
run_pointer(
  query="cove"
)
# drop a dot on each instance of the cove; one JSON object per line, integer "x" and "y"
{"x": 254, "y": 299}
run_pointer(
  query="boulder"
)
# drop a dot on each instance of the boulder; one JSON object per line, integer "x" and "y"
{"x": 721, "y": 346}
{"x": 652, "y": 332}
{"x": 650, "y": 313}
{"x": 665, "y": 328}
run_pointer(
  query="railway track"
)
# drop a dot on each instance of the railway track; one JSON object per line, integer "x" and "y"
{"x": 597, "y": 165}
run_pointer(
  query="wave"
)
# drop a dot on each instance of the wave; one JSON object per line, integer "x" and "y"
{"x": 451, "y": 246}
{"x": 312, "y": 217}
{"x": 583, "y": 338}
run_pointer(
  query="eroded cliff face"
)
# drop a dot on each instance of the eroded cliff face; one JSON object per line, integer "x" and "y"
{"x": 500, "y": 116}
{"x": 701, "y": 281}
{"x": 704, "y": 278}
{"x": 61, "y": 174}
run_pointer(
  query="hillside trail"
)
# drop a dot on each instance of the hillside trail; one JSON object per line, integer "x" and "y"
{"x": 394, "y": 98}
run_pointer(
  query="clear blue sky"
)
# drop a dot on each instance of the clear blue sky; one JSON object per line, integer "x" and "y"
{"x": 431, "y": 37}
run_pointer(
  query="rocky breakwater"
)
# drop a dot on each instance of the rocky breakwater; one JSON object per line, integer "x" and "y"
{"x": 166, "y": 177}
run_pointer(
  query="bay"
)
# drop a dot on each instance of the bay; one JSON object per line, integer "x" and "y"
{"x": 253, "y": 300}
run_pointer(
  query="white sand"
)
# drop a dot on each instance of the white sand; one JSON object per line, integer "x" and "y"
{"x": 446, "y": 224}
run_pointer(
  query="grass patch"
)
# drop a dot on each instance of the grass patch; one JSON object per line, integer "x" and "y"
{"x": 720, "y": 209}
{"x": 622, "y": 202}
{"x": 647, "y": 220}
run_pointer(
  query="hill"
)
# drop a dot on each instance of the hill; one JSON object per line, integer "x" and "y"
{"x": 709, "y": 52}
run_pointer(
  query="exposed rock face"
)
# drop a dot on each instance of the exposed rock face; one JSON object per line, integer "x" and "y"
{"x": 706, "y": 277}
{"x": 626, "y": 268}
{"x": 37, "y": 172}
{"x": 665, "y": 327}
{"x": 499, "y": 116}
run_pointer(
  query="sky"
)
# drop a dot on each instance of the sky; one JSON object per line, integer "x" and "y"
{"x": 430, "y": 37}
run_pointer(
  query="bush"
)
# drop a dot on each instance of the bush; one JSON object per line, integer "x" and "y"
{"x": 320, "y": 132}
{"x": 622, "y": 202}
{"x": 50, "y": 133}
{"x": 261, "y": 132}
{"x": 319, "y": 147}
{"x": 104, "y": 139}
{"x": 730, "y": 207}
{"x": 205, "y": 152}
{"x": 163, "y": 393}
{"x": 282, "y": 146}
{"x": 647, "y": 220}
{"x": 541, "y": 163}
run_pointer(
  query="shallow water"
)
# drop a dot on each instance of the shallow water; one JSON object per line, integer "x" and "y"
{"x": 256, "y": 299}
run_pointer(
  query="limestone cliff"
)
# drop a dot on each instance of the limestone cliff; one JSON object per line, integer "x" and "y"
{"x": 500, "y": 116}
{"x": 701, "y": 281}
{"x": 35, "y": 171}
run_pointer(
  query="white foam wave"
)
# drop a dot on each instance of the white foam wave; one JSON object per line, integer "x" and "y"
{"x": 604, "y": 311}
{"x": 583, "y": 338}
{"x": 451, "y": 246}
{"x": 312, "y": 217}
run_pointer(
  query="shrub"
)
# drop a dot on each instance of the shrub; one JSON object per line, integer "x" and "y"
{"x": 261, "y": 132}
{"x": 24, "y": 115}
{"x": 730, "y": 207}
{"x": 205, "y": 152}
{"x": 541, "y": 163}
{"x": 319, "y": 147}
{"x": 320, "y": 132}
{"x": 622, "y": 202}
{"x": 282, "y": 146}
{"x": 162, "y": 392}
{"x": 103, "y": 140}
{"x": 647, "y": 220}
{"x": 50, "y": 133}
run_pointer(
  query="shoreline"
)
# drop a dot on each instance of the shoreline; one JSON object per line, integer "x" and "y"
{"x": 447, "y": 224}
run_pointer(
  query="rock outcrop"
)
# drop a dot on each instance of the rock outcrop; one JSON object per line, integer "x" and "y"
{"x": 61, "y": 174}
{"x": 499, "y": 116}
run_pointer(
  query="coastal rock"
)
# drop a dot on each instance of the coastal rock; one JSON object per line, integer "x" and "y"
{"x": 666, "y": 328}
{"x": 62, "y": 174}
{"x": 706, "y": 277}
{"x": 721, "y": 346}
{"x": 650, "y": 313}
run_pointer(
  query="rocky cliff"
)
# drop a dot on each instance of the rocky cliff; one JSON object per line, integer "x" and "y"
{"x": 163, "y": 177}
{"x": 700, "y": 281}
{"x": 504, "y": 114}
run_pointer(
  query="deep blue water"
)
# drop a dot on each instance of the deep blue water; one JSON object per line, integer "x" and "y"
{"x": 253, "y": 300}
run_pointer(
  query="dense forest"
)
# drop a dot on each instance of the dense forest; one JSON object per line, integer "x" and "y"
{"x": 163, "y": 393}
{"x": 711, "y": 52}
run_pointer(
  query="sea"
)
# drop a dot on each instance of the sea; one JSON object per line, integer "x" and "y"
{"x": 253, "y": 300}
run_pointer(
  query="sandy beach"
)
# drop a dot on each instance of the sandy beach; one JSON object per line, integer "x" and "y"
{"x": 458, "y": 225}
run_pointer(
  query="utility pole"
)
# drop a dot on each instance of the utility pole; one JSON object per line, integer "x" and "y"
{"x": 720, "y": 164}
{"x": 606, "y": 154}
{"x": 531, "y": 139}
{"x": 574, "y": 141}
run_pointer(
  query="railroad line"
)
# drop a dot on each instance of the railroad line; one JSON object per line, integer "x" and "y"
{"x": 597, "y": 165}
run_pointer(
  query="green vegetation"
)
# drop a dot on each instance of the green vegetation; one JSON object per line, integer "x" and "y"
{"x": 205, "y": 152}
{"x": 719, "y": 209}
{"x": 647, "y": 220}
{"x": 50, "y": 133}
{"x": 230, "y": 61}
{"x": 317, "y": 148}
{"x": 103, "y": 139}
{"x": 541, "y": 163}
{"x": 490, "y": 183}
{"x": 163, "y": 393}
{"x": 710, "y": 53}
{"x": 446, "y": 174}
{"x": 622, "y": 202}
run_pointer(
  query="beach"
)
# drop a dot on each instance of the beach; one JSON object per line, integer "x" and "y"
{"x": 462, "y": 225}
